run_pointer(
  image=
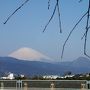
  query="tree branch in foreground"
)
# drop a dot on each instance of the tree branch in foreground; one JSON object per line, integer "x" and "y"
{"x": 85, "y": 34}
{"x": 15, "y": 11}
{"x": 71, "y": 33}
{"x": 56, "y": 7}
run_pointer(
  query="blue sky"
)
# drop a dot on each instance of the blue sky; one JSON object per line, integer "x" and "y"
{"x": 25, "y": 28}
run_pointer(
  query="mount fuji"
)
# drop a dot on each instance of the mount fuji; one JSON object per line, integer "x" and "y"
{"x": 30, "y": 55}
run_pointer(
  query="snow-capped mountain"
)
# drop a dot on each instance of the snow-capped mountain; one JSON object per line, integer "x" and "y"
{"x": 29, "y": 54}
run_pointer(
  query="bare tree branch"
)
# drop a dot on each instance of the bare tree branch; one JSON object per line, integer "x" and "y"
{"x": 59, "y": 17}
{"x": 85, "y": 34}
{"x": 56, "y": 7}
{"x": 50, "y": 18}
{"x": 71, "y": 33}
{"x": 15, "y": 11}
{"x": 87, "y": 24}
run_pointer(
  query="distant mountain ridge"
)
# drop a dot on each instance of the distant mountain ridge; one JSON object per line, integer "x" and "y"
{"x": 9, "y": 64}
{"x": 82, "y": 62}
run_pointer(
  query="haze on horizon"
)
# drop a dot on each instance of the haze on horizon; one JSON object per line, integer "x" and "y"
{"x": 25, "y": 28}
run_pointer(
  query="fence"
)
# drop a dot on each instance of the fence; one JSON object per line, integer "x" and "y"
{"x": 25, "y": 84}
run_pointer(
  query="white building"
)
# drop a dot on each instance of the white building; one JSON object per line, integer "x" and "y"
{"x": 50, "y": 76}
{"x": 9, "y": 76}
{"x": 68, "y": 76}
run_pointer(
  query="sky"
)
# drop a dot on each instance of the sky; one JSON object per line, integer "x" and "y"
{"x": 25, "y": 28}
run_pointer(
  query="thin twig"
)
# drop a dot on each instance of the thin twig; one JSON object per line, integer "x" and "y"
{"x": 71, "y": 33}
{"x": 87, "y": 24}
{"x": 59, "y": 16}
{"x": 84, "y": 33}
{"x": 56, "y": 7}
{"x": 15, "y": 11}
{"x": 49, "y": 4}
{"x": 50, "y": 18}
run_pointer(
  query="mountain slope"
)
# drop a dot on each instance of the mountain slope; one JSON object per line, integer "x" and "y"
{"x": 81, "y": 64}
{"x": 9, "y": 64}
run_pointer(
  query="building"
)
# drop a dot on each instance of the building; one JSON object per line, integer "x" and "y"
{"x": 9, "y": 76}
{"x": 51, "y": 76}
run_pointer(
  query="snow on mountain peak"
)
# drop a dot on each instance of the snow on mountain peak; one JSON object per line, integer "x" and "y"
{"x": 28, "y": 54}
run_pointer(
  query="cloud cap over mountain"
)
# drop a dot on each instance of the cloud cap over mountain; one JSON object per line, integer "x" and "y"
{"x": 28, "y": 54}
